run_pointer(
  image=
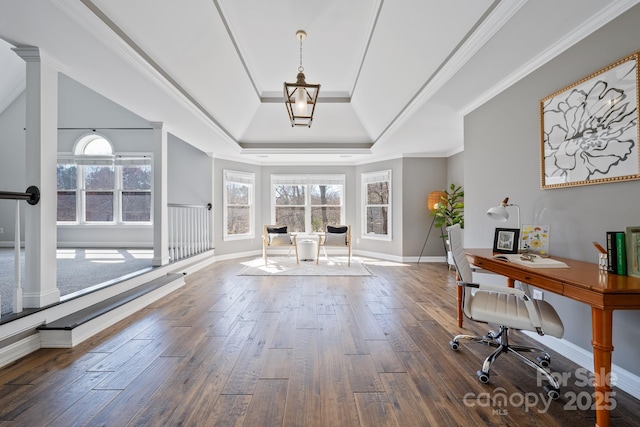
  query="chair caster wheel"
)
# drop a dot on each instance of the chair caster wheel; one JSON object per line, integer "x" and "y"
{"x": 483, "y": 377}
{"x": 454, "y": 345}
{"x": 544, "y": 361}
{"x": 553, "y": 393}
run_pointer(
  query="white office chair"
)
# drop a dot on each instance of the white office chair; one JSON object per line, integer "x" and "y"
{"x": 509, "y": 308}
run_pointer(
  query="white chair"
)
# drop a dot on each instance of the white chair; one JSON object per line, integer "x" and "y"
{"x": 278, "y": 236}
{"x": 336, "y": 236}
{"x": 510, "y": 308}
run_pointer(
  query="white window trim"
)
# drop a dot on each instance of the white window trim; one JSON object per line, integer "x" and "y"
{"x": 306, "y": 180}
{"x": 117, "y": 159}
{"x": 367, "y": 178}
{"x": 248, "y": 178}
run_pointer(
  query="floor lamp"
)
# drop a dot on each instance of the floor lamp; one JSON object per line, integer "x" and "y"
{"x": 433, "y": 200}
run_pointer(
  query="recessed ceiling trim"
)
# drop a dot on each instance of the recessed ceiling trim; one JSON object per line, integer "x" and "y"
{"x": 487, "y": 26}
{"x": 121, "y": 44}
{"x": 367, "y": 45}
{"x": 604, "y": 16}
{"x": 321, "y": 99}
{"x": 302, "y": 148}
{"x": 223, "y": 18}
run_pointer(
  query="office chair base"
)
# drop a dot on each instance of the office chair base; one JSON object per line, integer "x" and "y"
{"x": 500, "y": 341}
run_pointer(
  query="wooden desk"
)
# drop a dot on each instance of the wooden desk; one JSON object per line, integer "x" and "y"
{"x": 583, "y": 282}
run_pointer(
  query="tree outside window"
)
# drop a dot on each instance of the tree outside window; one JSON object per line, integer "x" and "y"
{"x": 96, "y": 186}
{"x": 239, "y": 205}
{"x": 136, "y": 193}
{"x": 326, "y": 206}
{"x": 98, "y": 195}
{"x": 308, "y": 203}
{"x": 376, "y": 188}
{"x": 67, "y": 192}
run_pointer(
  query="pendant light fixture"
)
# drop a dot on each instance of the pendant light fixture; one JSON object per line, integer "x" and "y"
{"x": 300, "y": 97}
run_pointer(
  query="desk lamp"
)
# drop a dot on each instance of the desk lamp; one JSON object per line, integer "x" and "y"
{"x": 499, "y": 213}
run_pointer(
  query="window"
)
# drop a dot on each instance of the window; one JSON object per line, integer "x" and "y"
{"x": 67, "y": 192}
{"x": 239, "y": 202}
{"x": 135, "y": 190}
{"x": 307, "y": 203}
{"x": 376, "y": 194}
{"x": 97, "y": 187}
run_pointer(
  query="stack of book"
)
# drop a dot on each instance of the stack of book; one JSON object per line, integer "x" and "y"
{"x": 616, "y": 253}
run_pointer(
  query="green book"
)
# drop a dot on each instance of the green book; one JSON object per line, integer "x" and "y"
{"x": 621, "y": 254}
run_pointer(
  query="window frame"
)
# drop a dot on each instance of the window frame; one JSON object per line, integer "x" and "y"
{"x": 244, "y": 178}
{"x": 370, "y": 178}
{"x": 115, "y": 160}
{"x": 307, "y": 181}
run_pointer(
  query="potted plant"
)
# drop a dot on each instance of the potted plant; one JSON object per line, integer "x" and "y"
{"x": 450, "y": 211}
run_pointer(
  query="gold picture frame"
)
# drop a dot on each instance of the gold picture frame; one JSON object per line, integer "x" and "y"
{"x": 589, "y": 130}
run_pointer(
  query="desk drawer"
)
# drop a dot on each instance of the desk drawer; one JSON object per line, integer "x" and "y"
{"x": 527, "y": 276}
{"x": 542, "y": 283}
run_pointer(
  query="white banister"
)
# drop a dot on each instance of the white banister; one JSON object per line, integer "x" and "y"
{"x": 189, "y": 230}
{"x": 17, "y": 295}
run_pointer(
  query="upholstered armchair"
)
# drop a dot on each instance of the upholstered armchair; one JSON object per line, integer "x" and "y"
{"x": 278, "y": 236}
{"x": 336, "y": 236}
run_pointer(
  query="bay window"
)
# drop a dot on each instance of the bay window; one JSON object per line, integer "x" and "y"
{"x": 307, "y": 203}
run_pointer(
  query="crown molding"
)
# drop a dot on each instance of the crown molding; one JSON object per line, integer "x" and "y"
{"x": 597, "y": 21}
{"x": 487, "y": 27}
{"x": 95, "y": 22}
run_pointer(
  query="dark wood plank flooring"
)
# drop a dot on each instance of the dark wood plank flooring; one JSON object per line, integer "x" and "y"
{"x": 229, "y": 350}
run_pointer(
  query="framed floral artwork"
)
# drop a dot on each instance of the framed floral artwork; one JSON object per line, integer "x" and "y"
{"x": 589, "y": 130}
{"x": 506, "y": 240}
{"x": 535, "y": 239}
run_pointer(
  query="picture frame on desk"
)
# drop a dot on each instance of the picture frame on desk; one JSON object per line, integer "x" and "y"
{"x": 506, "y": 240}
{"x": 633, "y": 251}
{"x": 589, "y": 129}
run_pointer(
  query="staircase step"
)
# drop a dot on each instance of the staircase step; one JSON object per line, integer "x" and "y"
{"x": 76, "y": 327}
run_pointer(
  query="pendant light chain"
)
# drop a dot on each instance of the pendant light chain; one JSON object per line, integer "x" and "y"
{"x": 300, "y": 68}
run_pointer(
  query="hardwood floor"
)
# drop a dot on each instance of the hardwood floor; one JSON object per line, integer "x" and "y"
{"x": 229, "y": 350}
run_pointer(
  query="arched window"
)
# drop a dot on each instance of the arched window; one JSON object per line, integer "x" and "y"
{"x": 93, "y": 145}
{"x": 96, "y": 186}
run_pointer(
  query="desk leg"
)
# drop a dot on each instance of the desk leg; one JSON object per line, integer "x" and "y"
{"x": 602, "y": 343}
{"x": 460, "y": 317}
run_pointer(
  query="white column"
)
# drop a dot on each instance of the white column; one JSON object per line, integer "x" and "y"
{"x": 160, "y": 198}
{"x": 40, "y": 288}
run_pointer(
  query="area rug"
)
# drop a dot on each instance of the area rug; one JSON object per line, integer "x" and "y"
{"x": 286, "y": 266}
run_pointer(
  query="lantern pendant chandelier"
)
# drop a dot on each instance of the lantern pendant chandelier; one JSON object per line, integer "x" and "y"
{"x": 300, "y": 97}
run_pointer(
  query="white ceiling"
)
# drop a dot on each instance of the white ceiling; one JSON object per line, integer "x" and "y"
{"x": 397, "y": 76}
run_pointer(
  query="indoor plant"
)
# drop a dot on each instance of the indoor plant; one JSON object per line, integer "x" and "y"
{"x": 449, "y": 212}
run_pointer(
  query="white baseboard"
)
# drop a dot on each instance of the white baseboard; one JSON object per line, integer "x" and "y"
{"x": 19, "y": 349}
{"x": 624, "y": 380}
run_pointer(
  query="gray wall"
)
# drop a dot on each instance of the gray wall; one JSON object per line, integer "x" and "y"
{"x": 82, "y": 110}
{"x": 420, "y": 176}
{"x": 191, "y": 173}
{"x": 455, "y": 169}
{"x": 501, "y": 158}
{"x": 12, "y": 160}
{"x": 235, "y": 246}
{"x": 412, "y": 180}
